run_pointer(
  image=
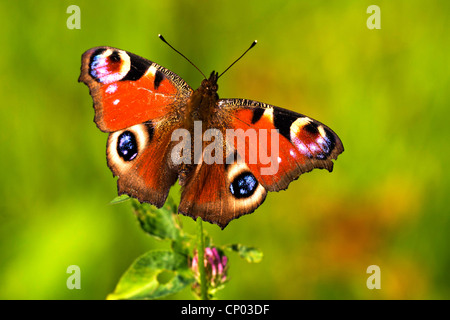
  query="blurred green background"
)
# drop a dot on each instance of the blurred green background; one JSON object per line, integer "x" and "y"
{"x": 385, "y": 93}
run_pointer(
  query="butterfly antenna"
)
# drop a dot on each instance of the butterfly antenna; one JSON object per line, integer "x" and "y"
{"x": 251, "y": 46}
{"x": 165, "y": 41}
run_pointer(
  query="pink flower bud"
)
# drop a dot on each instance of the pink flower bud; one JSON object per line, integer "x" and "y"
{"x": 215, "y": 267}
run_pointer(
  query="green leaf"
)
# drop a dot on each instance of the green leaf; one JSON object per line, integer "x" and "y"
{"x": 159, "y": 223}
{"x": 183, "y": 244}
{"x": 120, "y": 199}
{"x": 153, "y": 275}
{"x": 250, "y": 254}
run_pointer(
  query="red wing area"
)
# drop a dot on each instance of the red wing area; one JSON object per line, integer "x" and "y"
{"x": 128, "y": 90}
{"x": 210, "y": 192}
{"x": 301, "y": 145}
{"x": 204, "y": 193}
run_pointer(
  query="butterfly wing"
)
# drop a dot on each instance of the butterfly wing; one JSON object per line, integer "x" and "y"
{"x": 301, "y": 145}
{"x": 140, "y": 157}
{"x": 128, "y": 89}
{"x": 266, "y": 148}
{"x": 139, "y": 103}
{"x": 219, "y": 193}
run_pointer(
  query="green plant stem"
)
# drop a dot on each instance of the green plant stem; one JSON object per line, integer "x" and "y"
{"x": 201, "y": 265}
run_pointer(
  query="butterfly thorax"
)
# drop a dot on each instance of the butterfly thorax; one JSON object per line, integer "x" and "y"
{"x": 202, "y": 102}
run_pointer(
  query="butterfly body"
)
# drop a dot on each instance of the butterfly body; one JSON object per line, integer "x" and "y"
{"x": 226, "y": 153}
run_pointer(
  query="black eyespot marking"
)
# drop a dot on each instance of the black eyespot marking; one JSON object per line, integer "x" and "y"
{"x": 138, "y": 67}
{"x": 311, "y": 128}
{"x": 282, "y": 122}
{"x": 257, "y": 114}
{"x": 159, "y": 77}
{"x": 244, "y": 185}
{"x": 114, "y": 57}
{"x": 127, "y": 147}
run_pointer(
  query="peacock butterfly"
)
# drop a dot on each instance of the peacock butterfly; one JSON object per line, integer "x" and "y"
{"x": 225, "y": 153}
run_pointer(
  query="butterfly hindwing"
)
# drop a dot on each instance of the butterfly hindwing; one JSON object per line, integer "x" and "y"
{"x": 221, "y": 192}
{"x": 140, "y": 157}
{"x": 128, "y": 89}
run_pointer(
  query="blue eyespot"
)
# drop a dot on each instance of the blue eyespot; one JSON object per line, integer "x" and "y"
{"x": 244, "y": 185}
{"x": 127, "y": 146}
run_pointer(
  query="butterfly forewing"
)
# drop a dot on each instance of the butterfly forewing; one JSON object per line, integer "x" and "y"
{"x": 301, "y": 145}
{"x": 129, "y": 90}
